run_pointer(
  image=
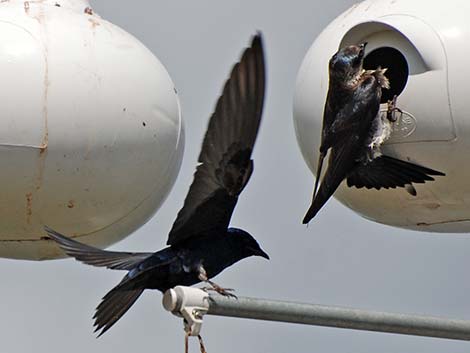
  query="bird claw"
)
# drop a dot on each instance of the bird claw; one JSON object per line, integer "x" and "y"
{"x": 226, "y": 293}
{"x": 220, "y": 290}
{"x": 392, "y": 108}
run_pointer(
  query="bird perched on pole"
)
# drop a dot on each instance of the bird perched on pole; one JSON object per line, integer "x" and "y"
{"x": 354, "y": 130}
{"x": 201, "y": 244}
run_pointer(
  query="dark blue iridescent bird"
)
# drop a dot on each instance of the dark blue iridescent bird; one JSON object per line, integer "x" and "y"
{"x": 200, "y": 243}
{"x": 354, "y": 130}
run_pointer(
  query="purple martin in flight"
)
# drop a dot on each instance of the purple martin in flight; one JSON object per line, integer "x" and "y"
{"x": 201, "y": 244}
{"x": 354, "y": 130}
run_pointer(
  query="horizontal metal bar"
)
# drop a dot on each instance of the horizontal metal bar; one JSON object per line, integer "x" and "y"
{"x": 321, "y": 315}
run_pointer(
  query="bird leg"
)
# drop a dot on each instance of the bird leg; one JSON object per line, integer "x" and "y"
{"x": 222, "y": 291}
{"x": 392, "y": 108}
{"x": 213, "y": 286}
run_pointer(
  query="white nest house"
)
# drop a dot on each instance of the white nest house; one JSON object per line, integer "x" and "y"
{"x": 425, "y": 46}
{"x": 91, "y": 136}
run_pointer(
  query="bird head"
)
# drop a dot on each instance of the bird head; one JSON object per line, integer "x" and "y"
{"x": 246, "y": 243}
{"x": 346, "y": 64}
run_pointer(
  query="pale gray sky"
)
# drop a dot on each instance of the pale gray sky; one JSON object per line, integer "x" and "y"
{"x": 340, "y": 259}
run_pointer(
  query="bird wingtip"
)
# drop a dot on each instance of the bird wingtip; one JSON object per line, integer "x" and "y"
{"x": 257, "y": 40}
{"x": 306, "y": 219}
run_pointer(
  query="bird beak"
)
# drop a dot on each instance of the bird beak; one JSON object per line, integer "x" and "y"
{"x": 259, "y": 252}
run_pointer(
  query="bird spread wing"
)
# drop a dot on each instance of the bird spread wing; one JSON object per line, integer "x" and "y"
{"x": 96, "y": 257}
{"x": 225, "y": 159}
{"x": 387, "y": 172}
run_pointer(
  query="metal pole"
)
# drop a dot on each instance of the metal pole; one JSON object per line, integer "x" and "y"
{"x": 320, "y": 315}
{"x": 193, "y": 303}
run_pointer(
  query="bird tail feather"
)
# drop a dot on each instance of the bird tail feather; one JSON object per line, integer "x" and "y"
{"x": 113, "y": 306}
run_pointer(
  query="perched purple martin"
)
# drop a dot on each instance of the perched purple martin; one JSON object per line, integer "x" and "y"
{"x": 200, "y": 243}
{"x": 354, "y": 130}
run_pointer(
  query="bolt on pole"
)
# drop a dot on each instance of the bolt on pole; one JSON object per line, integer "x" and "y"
{"x": 175, "y": 301}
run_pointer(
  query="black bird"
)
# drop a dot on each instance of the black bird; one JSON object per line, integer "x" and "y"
{"x": 200, "y": 243}
{"x": 354, "y": 130}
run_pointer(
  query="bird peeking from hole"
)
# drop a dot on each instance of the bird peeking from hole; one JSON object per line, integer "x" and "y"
{"x": 354, "y": 130}
{"x": 201, "y": 244}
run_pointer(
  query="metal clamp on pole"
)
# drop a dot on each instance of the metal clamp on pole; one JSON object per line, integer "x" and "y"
{"x": 188, "y": 303}
{"x": 193, "y": 303}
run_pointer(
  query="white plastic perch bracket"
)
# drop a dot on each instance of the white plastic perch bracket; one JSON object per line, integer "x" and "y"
{"x": 189, "y": 303}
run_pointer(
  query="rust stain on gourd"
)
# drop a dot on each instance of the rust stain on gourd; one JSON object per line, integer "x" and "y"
{"x": 45, "y": 139}
{"x": 29, "y": 207}
{"x": 42, "y": 152}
